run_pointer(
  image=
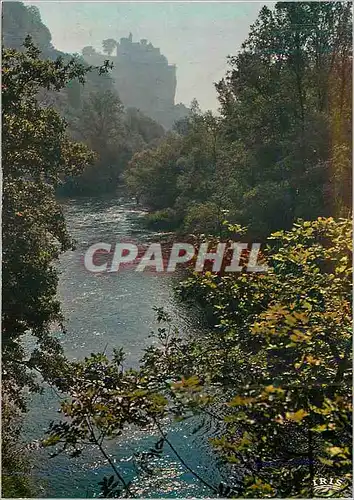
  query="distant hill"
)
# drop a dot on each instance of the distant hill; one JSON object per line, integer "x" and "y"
{"x": 18, "y": 21}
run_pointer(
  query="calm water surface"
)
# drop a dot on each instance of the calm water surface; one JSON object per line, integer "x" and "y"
{"x": 115, "y": 310}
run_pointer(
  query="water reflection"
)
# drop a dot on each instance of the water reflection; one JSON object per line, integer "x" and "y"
{"x": 104, "y": 311}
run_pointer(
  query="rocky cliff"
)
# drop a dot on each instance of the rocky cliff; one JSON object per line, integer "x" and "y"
{"x": 141, "y": 74}
{"x": 143, "y": 78}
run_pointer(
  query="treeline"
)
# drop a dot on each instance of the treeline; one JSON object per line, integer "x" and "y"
{"x": 281, "y": 148}
{"x": 115, "y": 134}
{"x": 97, "y": 117}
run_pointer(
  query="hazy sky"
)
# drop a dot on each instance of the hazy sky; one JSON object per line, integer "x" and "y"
{"x": 196, "y": 36}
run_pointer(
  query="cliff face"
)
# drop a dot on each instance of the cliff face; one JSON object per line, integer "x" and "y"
{"x": 143, "y": 79}
{"x": 18, "y": 21}
{"x": 141, "y": 74}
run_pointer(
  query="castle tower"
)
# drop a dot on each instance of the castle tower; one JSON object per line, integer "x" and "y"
{"x": 144, "y": 79}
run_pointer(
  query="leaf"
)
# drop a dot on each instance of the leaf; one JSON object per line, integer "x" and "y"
{"x": 272, "y": 389}
{"x": 240, "y": 401}
{"x": 297, "y": 416}
{"x": 326, "y": 461}
{"x": 335, "y": 450}
{"x": 298, "y": 336}
{"x": 159, "y": 444}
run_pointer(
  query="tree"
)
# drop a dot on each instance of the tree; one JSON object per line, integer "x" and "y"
{"x": 100, "y": 124}
{"x": 16, "y": 478}
{"x": 275, "y": 371}
{"x": 113, "y": 133}
{"x": 185, "y": 174}
{"x": 37, "y": 155}
{"x": 106, "y": 399}
{"x": 278, "y": 101}
{"x": 109, "y": 45}
{"x": 142, "y": 125}
{"x": 283, "y": 141}
{"x": 151, "y": 174}
{"x": 89, "y": 51}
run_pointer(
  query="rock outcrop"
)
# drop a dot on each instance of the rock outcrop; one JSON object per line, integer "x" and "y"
{"x": 143, "y": 78}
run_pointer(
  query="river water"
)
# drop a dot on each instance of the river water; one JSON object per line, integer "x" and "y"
{"x": 116, "y": 310}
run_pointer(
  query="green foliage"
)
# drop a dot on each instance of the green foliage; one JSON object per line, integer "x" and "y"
{"x": 287, "y": 98}
{"x": 274, "y": 372}
{"x": 151, "y": 174}
{"x": 109, "y": 45}
{"x": 114, "y": 134}
{"x": 15, "y": 478}
{"x": 93, "y": 111}
{"x": 165, "y": 219}
{"x": 275, "y": 369}
{"x": 89, "y": 51}
{"x": 37, "y": 154}
{"x": 104, "y": 400}
{"x": 99, "y": 124}
{"x": 202, "y": 217}
{"x": 142, "y": 126}
{"x": 184, "y": 172}
{"x": 279, "y": 357}
{"x": 282, "y": 147}
{"x": 110, "y": 488}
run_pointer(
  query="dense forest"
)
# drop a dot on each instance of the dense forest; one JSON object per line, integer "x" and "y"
{"x": 281, "y": 148}
{"x": 274, "y": 369}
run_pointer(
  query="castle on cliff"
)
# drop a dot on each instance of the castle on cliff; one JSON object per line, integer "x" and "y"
{"x": 143, "y": 78}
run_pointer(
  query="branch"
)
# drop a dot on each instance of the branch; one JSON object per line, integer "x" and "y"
{"x": 164, "y": 436}
{"x": 108, "y": 458}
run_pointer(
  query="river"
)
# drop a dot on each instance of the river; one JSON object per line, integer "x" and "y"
{"x": 110, "y": 310}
